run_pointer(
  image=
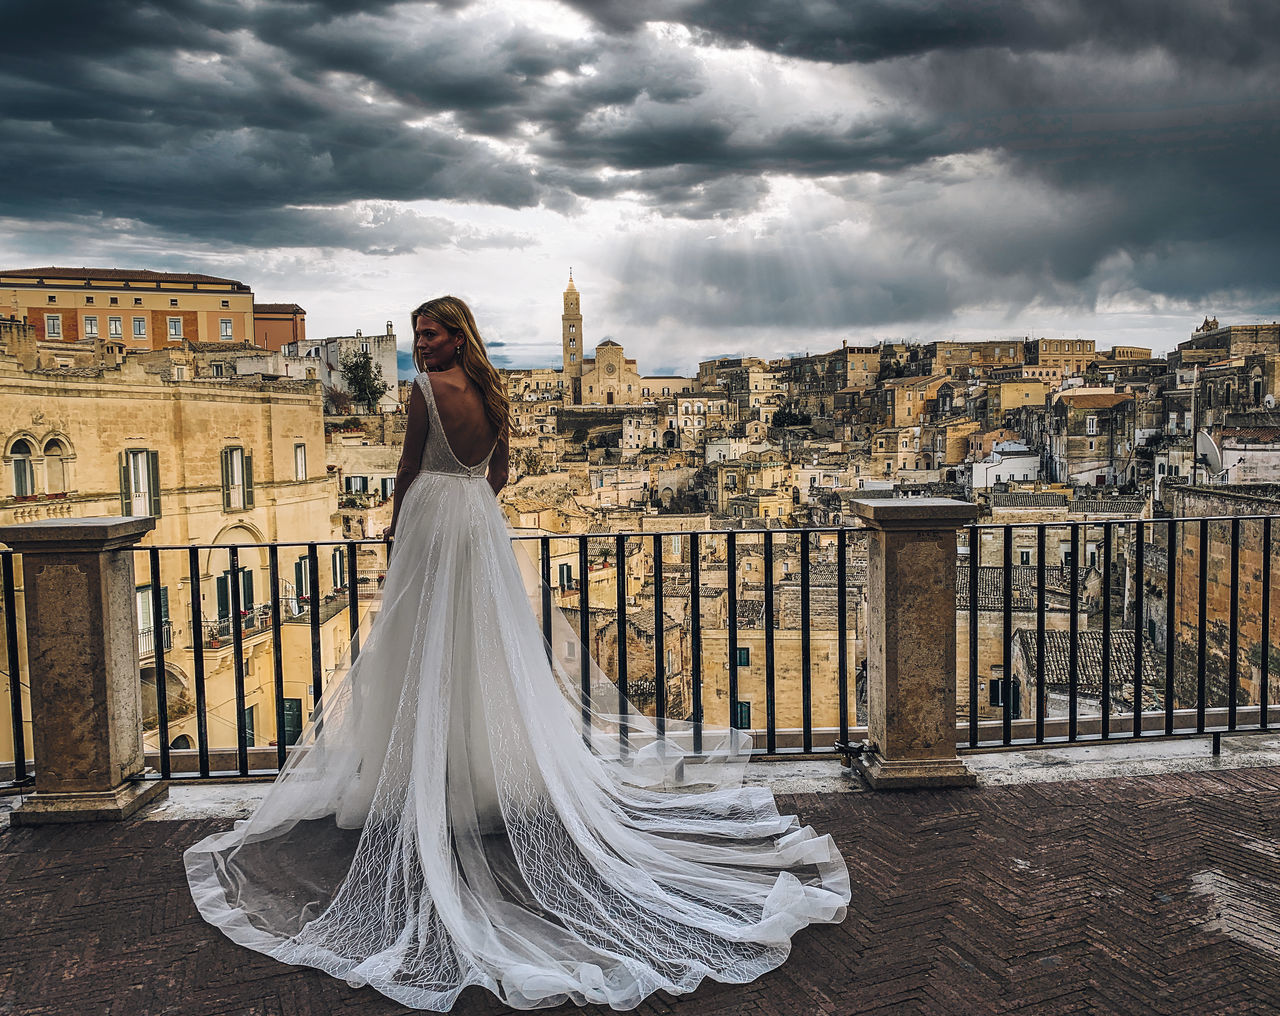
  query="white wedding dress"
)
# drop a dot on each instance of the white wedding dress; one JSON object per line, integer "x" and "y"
{"x": 444, "y": 822}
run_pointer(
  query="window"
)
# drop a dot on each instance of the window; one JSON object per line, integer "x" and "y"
{"x": 224, "y": 328}
{"x": 139, "y": 482}
{"x": 292, "y": 715}
{"x": 573, "y": 357}
{"x": 742, "y": 715}
{"x": 173, "y": 303}
{"x": 226, "y": 304}
{"x": 566, "y": 576}
{"x": 179, "y": 373}
{"x": 339, "y": 564}
{"x": 91, "y": 327}
{"x": 356, "y": 484}
{"x": 1024, "y": 557}
{"x": 1091, "y": 425}
{"x": 115, "y": 327}
{"x": 24, "y": 480}
{"x": 89, "y": 300}
{"x": 115, "y": 301}
{"x": 250, "y": 735}
{"x": 218, "y": 370}
{"x": 53, "y": 326}
{"x": 299, "y": 462}
{"x": 996, "y": 685}
{"x": 146, "y": 620}
{"x": 744, "y": 656}
{"x": 56, "y": 466}
{"x": 175, "y": 328}
{"x": 53, "y": 299}
{"x": 237, "y": 479}
{"x": 137, "y": 301}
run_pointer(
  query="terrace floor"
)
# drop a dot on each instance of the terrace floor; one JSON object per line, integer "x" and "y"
{"x": 1091, "y": 880}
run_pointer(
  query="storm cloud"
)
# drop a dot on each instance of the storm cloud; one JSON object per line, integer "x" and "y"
{"x": 869, "y": 168}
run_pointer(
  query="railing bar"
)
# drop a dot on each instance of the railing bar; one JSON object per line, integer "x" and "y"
{"x": 1201, "y": 622}
{"x": 842, "y": 631}
{"x": 1006, "y": 640}
{"x": 806, "y": 649}
{"x": 544, "y": 545}
{"x": 1139, "y": 622}
{"x": 731, "y": 562}
{"x": 237, "y": 651}
{"x": 620, "y": 583}
{"x": 353, "y": 600}
{"x": 15, "y": 672}
{"x": 197, "y": 648}
{"x": 157, "y": 648}
{"x": 1040, "y": 622}
{"x": 695, "y": 615}
{"x": 313, "y": 601}
{"x": 277, "y": 655}
{"x": 1106, "y": 630}
{"x": 659, "y": 640}
{"x": 1073, "y": 645}
{"x": 770, "y": 689}
{"x": 1170, "y": 624}
{"x": 584, "y": 638}
{"x": 1233, "y": 640}
{"x": 975, "y": 551}
{"x": 1265, "y": 678}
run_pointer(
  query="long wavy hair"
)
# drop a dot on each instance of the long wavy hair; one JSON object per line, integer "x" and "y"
{"x": 457, "y": 318}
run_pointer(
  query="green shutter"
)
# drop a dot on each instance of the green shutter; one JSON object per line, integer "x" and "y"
{"x": 248, "y": 481}
{"x": 125, "y": 496}
{"x": 226, "y": 479}
{"x": 164, "y": 603}
{"x": 224, "y": 597}
{"x": 153, "y": 473}
{"x": 246, "y": 589}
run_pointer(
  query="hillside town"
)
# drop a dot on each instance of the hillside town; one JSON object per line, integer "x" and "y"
{"x": 712, "y": 502}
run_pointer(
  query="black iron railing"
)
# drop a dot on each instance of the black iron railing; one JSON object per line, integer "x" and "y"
{"x": 1138, "y": 647}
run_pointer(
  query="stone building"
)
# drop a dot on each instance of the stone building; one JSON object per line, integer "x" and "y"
{"x": 134, "y": 309}
{"x": 1055, "y": 359}
{"x": 218, "y": 463}
{"x": 276, "y": 325}
{"x": 328, "y": 353}
{"x": 1089, "y": 438}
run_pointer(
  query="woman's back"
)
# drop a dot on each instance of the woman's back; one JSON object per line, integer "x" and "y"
{"x": 466, "y": 427}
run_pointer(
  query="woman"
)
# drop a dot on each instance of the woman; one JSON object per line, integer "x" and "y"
{"x": 463, "y": 809}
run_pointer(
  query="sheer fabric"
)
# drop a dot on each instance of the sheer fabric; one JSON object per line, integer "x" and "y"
{"x": 459, "y": 812}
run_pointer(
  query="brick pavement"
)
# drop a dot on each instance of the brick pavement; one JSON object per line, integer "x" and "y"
{"x": 1156, "y": 894}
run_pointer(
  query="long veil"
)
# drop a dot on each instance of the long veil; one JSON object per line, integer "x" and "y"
{"x": 464, "y": 808}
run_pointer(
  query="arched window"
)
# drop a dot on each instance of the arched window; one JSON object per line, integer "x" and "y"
{"x": 56, "y": 466}
{"x": 24, "y": 481}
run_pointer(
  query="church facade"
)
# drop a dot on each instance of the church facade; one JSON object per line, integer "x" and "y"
{"x": 607, "y": 377}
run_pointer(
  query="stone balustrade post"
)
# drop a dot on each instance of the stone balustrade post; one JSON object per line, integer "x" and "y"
{"x": 911, "y": 642}
{"x": 82, "y": 652}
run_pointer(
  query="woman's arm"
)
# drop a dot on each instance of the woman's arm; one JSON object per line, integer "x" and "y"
{"x": 500, "y": 461}
{"x": 415, "y": 439}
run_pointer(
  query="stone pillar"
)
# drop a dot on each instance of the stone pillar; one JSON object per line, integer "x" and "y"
{"x": 911, "y": 642}
{"x": 82, "y": 651}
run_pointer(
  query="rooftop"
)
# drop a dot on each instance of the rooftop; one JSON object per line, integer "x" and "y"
{"x": 1106, "y": 879}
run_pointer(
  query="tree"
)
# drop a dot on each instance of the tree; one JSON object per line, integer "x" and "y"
{"x": 532, "y": 462}
{"x": 363, "y": 378}
{"x": 336, "y": 401}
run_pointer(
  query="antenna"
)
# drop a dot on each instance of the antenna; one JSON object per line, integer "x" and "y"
{"x": 1208, "y": 451}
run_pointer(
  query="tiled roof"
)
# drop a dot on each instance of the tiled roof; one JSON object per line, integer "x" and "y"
{"x": 1095, "y": 400}
{"x": 1127, "y": 506}
{"x": 277, "y": 308}
{"x": 991, "y": 587}
{"x": 1252, "y": 435}
{"x": 1028, "y": 500}
{"x": 116, "y": 275}
{"x": 1057, "y": 659}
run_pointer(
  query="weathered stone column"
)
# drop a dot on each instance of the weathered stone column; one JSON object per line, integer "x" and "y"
{"x": 82, "y": 651}
{"x": 911, "y": 642}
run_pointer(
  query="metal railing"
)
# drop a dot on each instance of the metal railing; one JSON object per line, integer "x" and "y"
{"x": 1139, "y": 648}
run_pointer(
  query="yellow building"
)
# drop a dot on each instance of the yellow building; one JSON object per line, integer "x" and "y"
{"x": 137, "y": 309}
{"x": 220, "y": 464}
{"x": 1054, "y": 359}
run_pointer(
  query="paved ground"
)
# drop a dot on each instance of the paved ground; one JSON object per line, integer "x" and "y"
{"x": 1147, "y": 894}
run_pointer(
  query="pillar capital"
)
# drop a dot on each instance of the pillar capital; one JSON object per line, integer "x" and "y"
{"x": 911, "y": 642}
{"x": 82, "y": 652}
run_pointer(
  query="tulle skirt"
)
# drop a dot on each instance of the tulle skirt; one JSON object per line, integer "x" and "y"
{"x": 458, "y": 812}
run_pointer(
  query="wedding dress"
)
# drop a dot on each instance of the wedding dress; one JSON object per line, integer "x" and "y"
{"x": 459, "y": 811}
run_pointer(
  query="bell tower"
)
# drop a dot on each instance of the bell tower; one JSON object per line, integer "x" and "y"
{"x": 571, "y": 331}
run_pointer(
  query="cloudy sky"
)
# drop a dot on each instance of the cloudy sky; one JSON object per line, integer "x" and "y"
{"x": 723, "y": 176}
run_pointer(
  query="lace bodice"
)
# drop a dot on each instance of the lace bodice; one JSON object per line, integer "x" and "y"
{"x": 437, "y": 456}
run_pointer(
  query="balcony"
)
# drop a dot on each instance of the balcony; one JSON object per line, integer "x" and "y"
{"x": 1150, "y": 890}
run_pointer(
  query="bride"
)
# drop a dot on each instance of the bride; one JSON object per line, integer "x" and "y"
{"x": 461, "y": 810}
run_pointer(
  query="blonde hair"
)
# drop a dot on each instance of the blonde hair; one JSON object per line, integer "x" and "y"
{"x": 458, "y": 321}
